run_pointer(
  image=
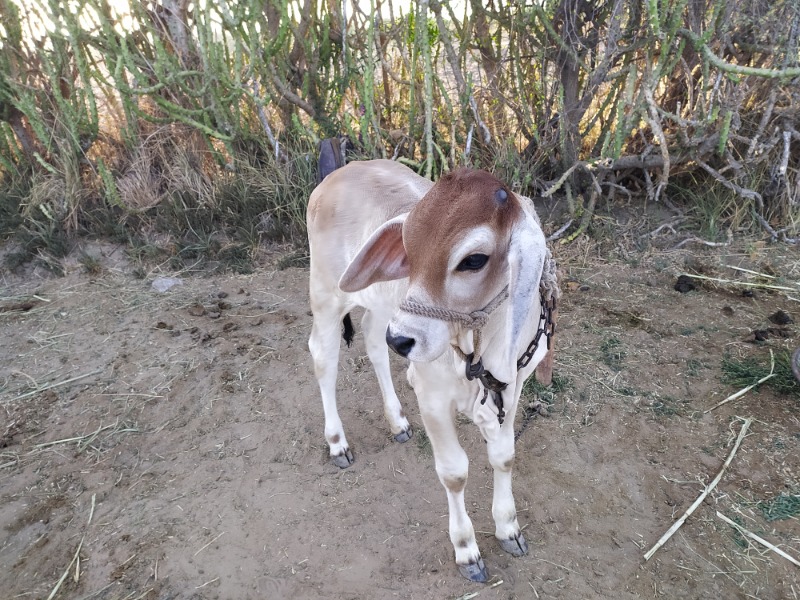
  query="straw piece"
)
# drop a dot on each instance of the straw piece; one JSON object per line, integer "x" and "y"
{"x": 76, "y": 559}
{"x": 706, "y": 491}
{"x": 764, "y": 275}
{"x": 209, "y": 543}
{"x": 761, "y": 541}
{"x": 66, "y": 573}
{"x": 745, "y": 283}
{"x": 53, "y": 385}
{"x": 80, "y": 439}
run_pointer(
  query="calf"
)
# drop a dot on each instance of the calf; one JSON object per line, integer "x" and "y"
{"x": 454, "y": 276}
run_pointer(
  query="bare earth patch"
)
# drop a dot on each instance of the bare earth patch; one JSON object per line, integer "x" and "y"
{"x": 170, "y": 445}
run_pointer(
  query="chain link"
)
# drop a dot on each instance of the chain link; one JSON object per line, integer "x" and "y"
{"x": 548, "y": 329}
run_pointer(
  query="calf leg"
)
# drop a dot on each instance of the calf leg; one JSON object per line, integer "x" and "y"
{"x": 324, "y": 346}
{"x": 500, "y": 447}
{"x": 375, "y": 340}
{"x": 452, "y": 466}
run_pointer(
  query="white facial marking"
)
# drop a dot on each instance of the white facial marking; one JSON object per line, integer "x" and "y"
{"x": 433, "y": 336}
{"x": 481, "y": 240}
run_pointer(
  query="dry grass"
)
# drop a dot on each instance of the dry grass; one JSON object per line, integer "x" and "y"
{"x": 167, "y": 161}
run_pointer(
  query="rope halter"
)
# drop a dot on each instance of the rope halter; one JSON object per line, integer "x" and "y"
{"x": 475, "y": 320}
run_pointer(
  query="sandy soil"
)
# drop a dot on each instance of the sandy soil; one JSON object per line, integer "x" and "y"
{"x": 184, "y": 457}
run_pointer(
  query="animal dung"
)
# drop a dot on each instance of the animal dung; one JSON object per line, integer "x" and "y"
{"x": 684, "y": 284}
{"x": 762, "y": 335}
{"x": 781, "y": 317}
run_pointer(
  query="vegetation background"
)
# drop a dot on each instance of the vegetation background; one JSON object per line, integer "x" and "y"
{"x": 189, "y": 129}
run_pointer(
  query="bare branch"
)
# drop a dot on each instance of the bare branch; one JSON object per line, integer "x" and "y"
{"x": 727, "y": 67}
{"x": 289, "y": 95}
{"x": 655, "y": 125}
{"x": 744, "y": 193}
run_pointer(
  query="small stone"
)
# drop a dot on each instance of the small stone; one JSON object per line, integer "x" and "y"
{"x": 163, "y": 284}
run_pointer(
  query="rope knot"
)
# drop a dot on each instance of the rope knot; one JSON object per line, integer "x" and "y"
{"x": 479, "y": 318}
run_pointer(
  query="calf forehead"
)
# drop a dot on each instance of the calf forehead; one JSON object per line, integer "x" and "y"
{"x": 457, "y": 204}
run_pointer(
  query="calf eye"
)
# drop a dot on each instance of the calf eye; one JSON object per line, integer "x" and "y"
{"x": 474, "y": 262}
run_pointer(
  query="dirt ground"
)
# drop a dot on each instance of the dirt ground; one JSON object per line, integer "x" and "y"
{"x": 170, "y": 445}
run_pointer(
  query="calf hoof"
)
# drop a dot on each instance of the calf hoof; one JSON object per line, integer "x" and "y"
{"x": 404, "y": 436}
{"x": 516, "y": 546}
{"x": 344, "y": 460}
{"x": 474, "y": 571}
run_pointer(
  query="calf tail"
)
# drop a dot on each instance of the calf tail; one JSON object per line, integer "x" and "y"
{"x": 330, "y": 158}
{"x": 348, "y": 331}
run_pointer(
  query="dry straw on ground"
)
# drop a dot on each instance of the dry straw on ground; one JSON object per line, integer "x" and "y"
{"x": 669, "y": 533}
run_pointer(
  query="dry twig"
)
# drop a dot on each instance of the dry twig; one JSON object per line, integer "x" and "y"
{"x": 76, "y": 559}
{"x": 557, "y": 234}
{"x": 706, "y": 491}
{"x": 697, "y": 240}
{"x": 760, "y": 540}
{"x": 744, "y": 283}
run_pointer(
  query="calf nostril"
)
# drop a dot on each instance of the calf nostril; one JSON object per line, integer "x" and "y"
{"x": 399, "y": 343}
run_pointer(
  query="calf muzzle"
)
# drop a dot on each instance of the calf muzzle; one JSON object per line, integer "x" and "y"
{"x": 399, "y": 343}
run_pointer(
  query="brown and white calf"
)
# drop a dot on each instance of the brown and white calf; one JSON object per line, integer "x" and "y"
{"x": 431, "y": 264}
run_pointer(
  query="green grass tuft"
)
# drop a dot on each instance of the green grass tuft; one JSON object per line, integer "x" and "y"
{"x": 423, "y": 442}
{"x": 782, "y": 506}
{"x": 531, "y": 387}
{"x": 612, "y": 353}
{"x": 13, "y": 191}
{"x": 91, "y": 264}
{"x": 747, "y": 371}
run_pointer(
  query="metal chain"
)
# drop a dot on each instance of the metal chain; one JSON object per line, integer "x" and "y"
{"x": 548, "y": 329}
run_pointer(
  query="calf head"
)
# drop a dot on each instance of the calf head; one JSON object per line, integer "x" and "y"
{"x": 466, "y": 240}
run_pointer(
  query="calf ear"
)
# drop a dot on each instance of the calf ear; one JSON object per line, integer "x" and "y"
{"x": 526, "y": 256}
{"x": 381, "y": 258}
